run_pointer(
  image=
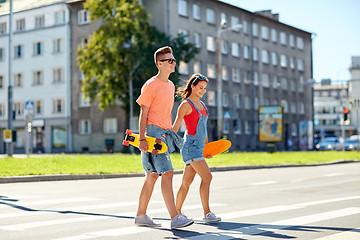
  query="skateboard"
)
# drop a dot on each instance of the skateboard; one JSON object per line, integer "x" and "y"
{"x": 155, "y": 145}
{"x": 216, "y": 147}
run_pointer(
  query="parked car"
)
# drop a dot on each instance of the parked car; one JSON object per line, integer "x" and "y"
{"x": 328, "y": 143}
{"x": 349, "y": 144}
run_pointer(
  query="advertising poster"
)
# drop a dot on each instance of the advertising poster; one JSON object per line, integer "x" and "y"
{"x": 270, "y": 124}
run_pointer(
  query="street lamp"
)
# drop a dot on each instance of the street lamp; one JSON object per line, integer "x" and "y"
{"x": 218, "y": 75}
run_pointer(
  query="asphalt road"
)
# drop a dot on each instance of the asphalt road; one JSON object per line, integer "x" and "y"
{"x": 321, "y": 202}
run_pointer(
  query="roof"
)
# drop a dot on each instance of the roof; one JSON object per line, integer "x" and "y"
{"x": 22, "y": 5}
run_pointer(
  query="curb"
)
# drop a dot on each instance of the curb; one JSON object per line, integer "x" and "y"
{"x": 64, "y": 177}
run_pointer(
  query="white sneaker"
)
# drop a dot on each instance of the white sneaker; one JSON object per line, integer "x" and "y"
{"x": 145, "y": 220}
{"x": 211, "y": 217}
{"x": 180, "y": 221}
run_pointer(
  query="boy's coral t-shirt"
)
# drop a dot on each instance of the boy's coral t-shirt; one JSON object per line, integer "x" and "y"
{"x": 159, "y": 97}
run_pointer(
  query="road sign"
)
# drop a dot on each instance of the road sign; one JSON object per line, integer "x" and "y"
{"x": 7, "y": 135}
{"x": 29, "y": 106}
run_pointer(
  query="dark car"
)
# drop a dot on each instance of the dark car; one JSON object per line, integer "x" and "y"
{"x": 328, "y": 144}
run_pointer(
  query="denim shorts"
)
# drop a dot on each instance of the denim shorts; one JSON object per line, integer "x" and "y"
{"x": 192, "y": 150}
{"x": 159, "y": 163}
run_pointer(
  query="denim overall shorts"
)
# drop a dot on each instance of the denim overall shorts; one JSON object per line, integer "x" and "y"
{"x": 192, "y": 151}
{"x": 160, "y": 163}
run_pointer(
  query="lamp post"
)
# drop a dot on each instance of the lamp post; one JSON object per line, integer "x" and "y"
{"x": 9, "y": 146}
{"x": 218, "y": 75}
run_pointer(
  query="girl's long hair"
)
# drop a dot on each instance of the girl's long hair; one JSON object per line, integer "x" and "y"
{"x": 194, "y": 80}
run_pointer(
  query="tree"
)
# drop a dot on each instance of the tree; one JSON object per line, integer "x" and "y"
{"x": 121, "y": 48}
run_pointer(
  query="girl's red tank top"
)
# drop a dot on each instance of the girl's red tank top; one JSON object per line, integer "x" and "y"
{"x": 191, "y": 120}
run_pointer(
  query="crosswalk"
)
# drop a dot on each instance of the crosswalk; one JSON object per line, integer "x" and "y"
{"x": 92, "y": 218}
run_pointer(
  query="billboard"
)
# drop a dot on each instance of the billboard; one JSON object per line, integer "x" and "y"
{"x": 270, "y": 124}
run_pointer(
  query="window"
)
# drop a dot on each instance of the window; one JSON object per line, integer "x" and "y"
{"x": 84, "y": 126}
{"x": 2, "y": 28}
{"x": 265, "y": 56}
{"x": 236, "y": 100}
{"x": 275, "y": 82}
{"x": 301, "y": 108}
{"x": 225, "y": 99}
{"x": 223, "y": 16}
{"x": 110, "y": 125}
{"x": 300, "y": 43}
{"x": 58, "y": 105}
{"x": 255, "y": 54}
{"x": 211, "y": 70}
{"x": 247, "y": 102}
{"x": 2, "y": 110}
{"x": 235, "y": 49}
{"x": 83, "y": 17}
{"x": 265, "y": 80}
{"x": 247, "y": 78}
{"x": 182, "y": 8}
{"x": 255, "y": 30}
{"x": 293, "y": 85}
{"x": 84, "y": 102}
{"x": 292, "y": 62}
{"x": 58, "y": 137}
{"x": 225, "y": 73}
{"x": 39, "y": 21}
{"x": 273, "y": 35}
{"x": 235, "y": 24}
{"x": 38, "y": 107}
{"x": 224, "y": 47}
{"x": 58, "y": 75}
{"x": 246, "y": 52}
{"x": 58, "y": 45}
{"x": 293, "y": 107}
{"x": 265, "y": 32}
{"x": 247, "y": 128}
{"x": 210, "y": 44}
{"x": 301, "y": 84}
{"x": 237, "y": 126}
{"x": 18, "y": 108}
{"x": 284, "y": 84}
{"x": 246, "y": 27}
{"x": 211, "y": 98}
{"x": 1, "y": 81}
{"x": 256, "y": 103}
{"x": 18, "y": 80}
{"x": 37, "y": 48}
{"x": 197, "y": 38}
{"x": 196, "y": 12}
{"x": 283, "y": 38}
{"x": 83, "y": 41}
{"x": 197, "y": 67}
{"x": 300, "y": 64}
{"x": 210, "y": 16}
{"x": 184, "y": 33}
{"x": 183, "y": 68}
{"x": 226, "y": 126}
{"x": 37, "y": 77}
{"x": 2, "y": 54}
{"x": 283, "y": 61}
{"x": 60, "y": 17}
{"x": 20, "y": 25}
{"x": 292, "y": 40}
{"x": 236, "y": 77}
{"x": 274, "y": 57}
{"x": 285, "y": 106}
{"x": 18, "y": 51}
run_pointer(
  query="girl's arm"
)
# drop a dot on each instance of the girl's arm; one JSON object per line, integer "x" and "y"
{"x": 183, "y": 110}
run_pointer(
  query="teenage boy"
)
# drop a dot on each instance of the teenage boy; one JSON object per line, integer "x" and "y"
{"x": 156, "y": 102}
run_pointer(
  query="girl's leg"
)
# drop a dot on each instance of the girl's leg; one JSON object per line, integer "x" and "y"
{"x": 188, "y": 177}
{"x": 146, "y": 192}
{"x": 204, "y": 172}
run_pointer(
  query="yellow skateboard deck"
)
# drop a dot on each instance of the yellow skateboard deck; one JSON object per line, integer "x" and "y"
{"x": 155, "y": 145}
{"x": 216, "y": 147}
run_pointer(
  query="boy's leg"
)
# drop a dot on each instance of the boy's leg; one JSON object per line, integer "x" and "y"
{"x": 167, "y": 192}
{"x": 204, "y": 172}
{"x": 146, "y": 192}
{"x": 188, "y": 177}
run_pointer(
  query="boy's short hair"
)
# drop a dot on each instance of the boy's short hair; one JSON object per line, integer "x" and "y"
{"x": 161, "y": 51}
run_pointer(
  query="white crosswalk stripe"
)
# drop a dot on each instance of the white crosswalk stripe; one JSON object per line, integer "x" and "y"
{"x": 353, "y": 234}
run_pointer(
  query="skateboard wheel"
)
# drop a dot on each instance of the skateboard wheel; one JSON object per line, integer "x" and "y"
{"x": 128, "y": 131}
{"x": 126, "y": 143}
{"x": 158, "y": 140}
{"x": 154, "y": 151}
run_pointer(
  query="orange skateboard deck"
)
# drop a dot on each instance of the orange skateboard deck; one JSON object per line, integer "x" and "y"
{"x": 216, "y": 147}
{"x": 155, "y": 145}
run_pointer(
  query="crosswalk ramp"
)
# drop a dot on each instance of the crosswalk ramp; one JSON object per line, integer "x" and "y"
{"x": 94, "y": 218}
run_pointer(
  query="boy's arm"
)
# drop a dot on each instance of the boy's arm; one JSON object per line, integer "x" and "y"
{"x": 143, "y": 146}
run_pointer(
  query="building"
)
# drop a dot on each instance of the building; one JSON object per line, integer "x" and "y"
{"x": 264, "y": 62}
{"x": 354, "y": 93}
{"x": 40, "y": 73}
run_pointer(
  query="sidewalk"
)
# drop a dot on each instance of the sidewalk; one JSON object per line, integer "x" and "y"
{"x": 61, "y": 177}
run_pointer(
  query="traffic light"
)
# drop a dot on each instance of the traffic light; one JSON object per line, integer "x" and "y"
{"x": 346, "y": 112}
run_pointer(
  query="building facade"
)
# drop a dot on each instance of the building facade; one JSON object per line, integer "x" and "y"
{"x": 354, "y": 93}
{"x": 264, "y": 62}
{"x": 40, "y": 73}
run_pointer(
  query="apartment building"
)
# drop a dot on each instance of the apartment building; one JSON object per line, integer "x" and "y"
{"x": 354, "y": 93}
{"x": 264, "y": 62}
{"x": 40, "y": 73}
{"x": 94, "y": 130}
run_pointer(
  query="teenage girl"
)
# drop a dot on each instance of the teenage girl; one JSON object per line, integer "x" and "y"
{"x": 193, "y": 111}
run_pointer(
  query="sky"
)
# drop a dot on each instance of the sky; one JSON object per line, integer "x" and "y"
{"x": 336, "y": 24}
